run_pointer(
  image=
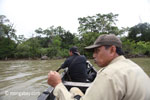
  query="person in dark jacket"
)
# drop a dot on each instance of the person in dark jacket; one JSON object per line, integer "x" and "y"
{"x": 76, "y": 64}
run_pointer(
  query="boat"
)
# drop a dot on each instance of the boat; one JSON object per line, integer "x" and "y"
{"x": 92, "y": 72}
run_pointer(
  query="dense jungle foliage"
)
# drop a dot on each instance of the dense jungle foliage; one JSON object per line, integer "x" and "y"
{"x": 54, "y": 42}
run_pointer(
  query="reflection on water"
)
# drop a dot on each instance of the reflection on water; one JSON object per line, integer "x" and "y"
{"x": 18, "y": 75}
{"x": 24, "y": 79}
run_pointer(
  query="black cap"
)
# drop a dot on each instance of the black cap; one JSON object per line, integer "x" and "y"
{"x": 74, "y": 49}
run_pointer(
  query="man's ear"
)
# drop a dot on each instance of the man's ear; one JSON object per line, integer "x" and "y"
{"x": 71, "y": 53}
{"x": 113, "y": 50}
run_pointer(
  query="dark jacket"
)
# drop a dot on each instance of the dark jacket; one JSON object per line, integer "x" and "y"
{"x": 76, "y": 68}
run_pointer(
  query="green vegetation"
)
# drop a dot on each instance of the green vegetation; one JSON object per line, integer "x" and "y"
{"x": 144, "y": 63}
{"x": 54, "y": 42}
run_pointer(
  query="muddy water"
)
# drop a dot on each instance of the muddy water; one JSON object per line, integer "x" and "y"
{"x": 25, "y": 79}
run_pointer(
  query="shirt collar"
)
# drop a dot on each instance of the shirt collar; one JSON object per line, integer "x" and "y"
{"x": 116, "y": 59}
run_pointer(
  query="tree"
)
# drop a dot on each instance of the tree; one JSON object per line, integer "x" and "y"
{"x": 7, "y": 36}
{"x": 67, "y": 40}
{"x": 59, "y": 40}
{"x": 6, "y": 28}
{"x": 23, "y": 50}
{"x": 86, "y": 40}
{"x": 100, "y": 24}
{"x": 140, "y": 32}
{"x": 50, "y": 32}
{"x": 29, "y": 48}
{"x": 66, "y": 36}
{"x": 20, "y": 39}
{"x": 7, "y": 48}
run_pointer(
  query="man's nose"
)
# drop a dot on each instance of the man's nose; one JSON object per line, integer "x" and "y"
{"x": 94, "y": 55}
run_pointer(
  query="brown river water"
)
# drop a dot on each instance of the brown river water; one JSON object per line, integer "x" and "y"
{"x": 25, "y": 79}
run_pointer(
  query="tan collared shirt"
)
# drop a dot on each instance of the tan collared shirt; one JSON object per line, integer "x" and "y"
{"x": 122, "y": 79}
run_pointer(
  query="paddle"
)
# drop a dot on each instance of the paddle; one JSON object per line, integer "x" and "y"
{"x": 58, "y": 69}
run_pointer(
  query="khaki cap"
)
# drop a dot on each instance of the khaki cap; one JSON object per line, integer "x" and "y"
{"x": 106, "y": 39}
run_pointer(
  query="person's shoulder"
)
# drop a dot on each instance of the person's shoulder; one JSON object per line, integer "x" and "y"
{"x": 69, "y": 58}
{"x": 82, "y": 56}
{"x": 120, "y": 66}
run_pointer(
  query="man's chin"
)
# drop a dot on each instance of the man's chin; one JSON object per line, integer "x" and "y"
{"x": 99, "y": 65}
{"x": 95, "y": 61}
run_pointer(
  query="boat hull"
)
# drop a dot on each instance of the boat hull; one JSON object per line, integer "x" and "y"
{"x": 48, "y": 93}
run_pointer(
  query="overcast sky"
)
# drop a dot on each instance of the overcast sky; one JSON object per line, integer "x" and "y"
{"x": 28, "y": 15}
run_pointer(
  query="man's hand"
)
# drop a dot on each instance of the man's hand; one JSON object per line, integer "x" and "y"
{"x": 54, "y": 78}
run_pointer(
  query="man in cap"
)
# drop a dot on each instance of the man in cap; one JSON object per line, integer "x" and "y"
{"x": 76, "y": 64}
{"x": 118, "y": 79}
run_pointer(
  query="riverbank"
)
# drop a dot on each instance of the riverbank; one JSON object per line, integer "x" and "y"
{"x": 144, "y": 62}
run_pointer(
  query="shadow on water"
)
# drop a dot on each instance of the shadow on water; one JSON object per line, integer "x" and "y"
{"x": 25, "y": 79}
